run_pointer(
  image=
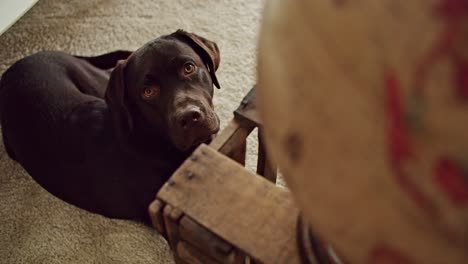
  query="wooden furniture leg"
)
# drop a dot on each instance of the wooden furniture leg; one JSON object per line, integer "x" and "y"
{"x": 232, "y": 140}
{"x": 265, "y": 166}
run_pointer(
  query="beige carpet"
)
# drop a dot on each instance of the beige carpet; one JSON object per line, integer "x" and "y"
{"x": 36, "y": 227}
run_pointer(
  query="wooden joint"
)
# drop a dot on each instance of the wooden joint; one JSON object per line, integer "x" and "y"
{"x": 265, "y": 166}
{"x": 232, "y": 140}
{"x": 213, "y": 245}
{"x": 188, "y": 254}
{"x": 171, "y": 216}
{"x": 155, "y": 211}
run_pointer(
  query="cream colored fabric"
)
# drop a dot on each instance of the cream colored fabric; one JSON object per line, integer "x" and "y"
{"x": 36, "y": 227}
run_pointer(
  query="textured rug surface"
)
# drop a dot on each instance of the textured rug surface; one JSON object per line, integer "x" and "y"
{"x": 36, "y": 227}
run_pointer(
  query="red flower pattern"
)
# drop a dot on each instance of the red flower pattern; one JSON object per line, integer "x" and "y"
{"x": 451, "y": 179}
{"x": 399, "y": 142}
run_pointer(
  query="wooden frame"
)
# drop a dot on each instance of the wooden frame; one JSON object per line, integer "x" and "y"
{"x": 213, "y": 210}
{"x": 232, "y": 140}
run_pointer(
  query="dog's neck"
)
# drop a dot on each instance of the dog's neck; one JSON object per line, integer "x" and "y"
{"x": 144, "y": 142}
{"x": 153, "y": 141}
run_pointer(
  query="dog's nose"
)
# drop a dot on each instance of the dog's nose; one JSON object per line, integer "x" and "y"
{"x": 191, "y": 118}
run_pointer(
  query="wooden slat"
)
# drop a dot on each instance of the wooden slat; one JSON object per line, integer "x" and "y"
{"x": 189, "y": 254}
{"x": 232, "y": 140}
{"x": 247, "y": 110}
{"x": 171, "y": 217}
{"x": 205, "y": 241}
{"x": 155, "y": 211}
{"x": 251, "y": 213}
{"x": 239, "y": 153}
{"x": 265, "y": 166}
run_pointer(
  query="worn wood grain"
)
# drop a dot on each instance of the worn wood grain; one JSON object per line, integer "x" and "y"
{"x": 251, "y": 213}
{"x": 171, "y": 217}
{"x": 232, "y": 140}
{"x": 205, "y": 241}
{"x": 155, "y": 211}
{"x": 188, "y": 254}
{"x": 247, "y": 110}
{"x": 265, "y": 165}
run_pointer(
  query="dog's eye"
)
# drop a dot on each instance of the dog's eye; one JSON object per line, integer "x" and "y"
{"x": 150, "y": 92}
{"x": 189, "y": 68}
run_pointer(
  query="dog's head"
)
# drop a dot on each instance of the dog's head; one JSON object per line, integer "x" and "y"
{"x": 165, "y": 89}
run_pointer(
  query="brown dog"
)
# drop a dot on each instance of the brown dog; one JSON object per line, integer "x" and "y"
{"x": 110, "y": 150}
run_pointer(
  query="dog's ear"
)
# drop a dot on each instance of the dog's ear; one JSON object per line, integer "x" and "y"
{"x": 115, "y": 98}
{"x": 208, "y": 51}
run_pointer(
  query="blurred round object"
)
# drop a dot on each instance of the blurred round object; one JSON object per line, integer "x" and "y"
{"x": 365, "y": 108}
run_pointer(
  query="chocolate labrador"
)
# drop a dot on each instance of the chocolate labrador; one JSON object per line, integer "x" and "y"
{"x": 104, "y": 133}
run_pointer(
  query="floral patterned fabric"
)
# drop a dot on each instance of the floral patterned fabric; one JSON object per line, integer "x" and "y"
{"x": 377, "y": 95}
